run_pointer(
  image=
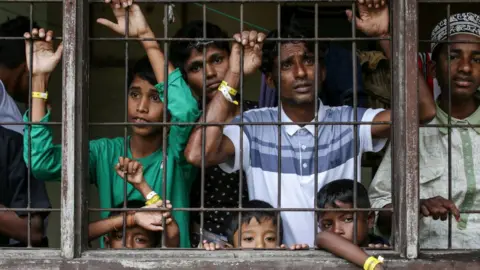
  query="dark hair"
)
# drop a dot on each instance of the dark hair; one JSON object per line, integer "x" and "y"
{"x": 247, "y": 217}
{"x": 137, "y": 204}
{"x": 12, "y": 52}
{"x": 270, "y": 52}
{"x": 180, "y": 51}
{"x": 342, "y": 190}
{"x": 144, "y": 70}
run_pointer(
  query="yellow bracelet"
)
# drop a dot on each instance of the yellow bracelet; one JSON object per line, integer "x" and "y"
{"x": 40, "y": 95}
{"x": 372, "y": 262}
{"x": 153, "y": 200}
{"x": 231, "y": 90}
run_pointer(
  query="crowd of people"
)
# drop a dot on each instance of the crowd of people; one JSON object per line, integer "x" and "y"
{"x": 254, "y": 149}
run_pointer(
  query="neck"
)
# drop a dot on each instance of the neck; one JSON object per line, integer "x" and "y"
{"x": 461, "y": 107}
{"x": 299, "y": 113}
{"x": 144, "y": 146}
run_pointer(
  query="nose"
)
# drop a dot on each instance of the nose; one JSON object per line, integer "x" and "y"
{"x": 300, "y": 70}
{"x": 465, "y": 65}
{"x": 142, "y": 106}
{"x": 129, "y": 242}
{"x": 210, "y": 71}
{"x": 338, "y": 229}
{"x": 259, "y": 243}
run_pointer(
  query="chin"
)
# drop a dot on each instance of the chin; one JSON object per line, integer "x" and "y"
{"x": 144, "y": 131}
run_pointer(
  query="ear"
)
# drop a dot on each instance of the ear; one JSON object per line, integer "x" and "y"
{"x": 323, "y": 72}
{"x": 106, "y": 241}
{"x": 371, "y": 220}
{"x": 270, "y": 81}
{"x": 432, "y": 69}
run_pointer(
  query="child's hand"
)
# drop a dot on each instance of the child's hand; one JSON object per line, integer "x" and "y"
{"x": 133, "y": 169}
{"x": 211, "y": 246}
{"x": 137, "y": 24}
{"x": 295, "y": 247}
{"x": 45, "y": 58}
{"x": 152, "y": 220}
{"x": 373, "y": 17}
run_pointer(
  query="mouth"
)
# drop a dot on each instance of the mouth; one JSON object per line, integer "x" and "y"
{"x": 140, "y": 120}
{"x": 303, "y": 88}
{"x": 213, "y": 86}
{"x": 463, "y": 83}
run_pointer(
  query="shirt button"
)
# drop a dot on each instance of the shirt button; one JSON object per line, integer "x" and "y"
{"x": 304, "y": 147}
{"x": 304, "y": 165}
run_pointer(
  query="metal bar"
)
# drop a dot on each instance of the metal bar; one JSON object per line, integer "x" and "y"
{"x": 279, "y": 119}
{"x": 223, "y": 209}
{"x": 74, "y": 129}
{"x": 355, "y": 127}
{"x": 315, "y": 134}
{"x": 231, "y": 39}
{"x": 240, "y": 175}
{"x": 449, "y": 134}
{"x": 405, "y": 132}
{"x": 204, "y": 120}
{"x": 346, "y": 123}
{"x": 29, "y": 177}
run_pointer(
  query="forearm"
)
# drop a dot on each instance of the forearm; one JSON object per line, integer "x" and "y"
{"x": 16, "y": 227}
{"x": 427, "y": 109}
{"x": 219, "y": 110}
{"x": 39, "y": 84}
{"x": 156, "y": 57}
{"x": 341, "y": 247}
{"x": 384, "y": 221}
{"x": 104, "y": 226}
{"x": 386, "y": 47}
{"x": 143, "y": 188}
{"x": 172, "y": 235}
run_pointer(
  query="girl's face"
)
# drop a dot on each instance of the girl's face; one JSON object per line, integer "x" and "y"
{"x": 144, "y": 106}
{"x": 257, "y": 234}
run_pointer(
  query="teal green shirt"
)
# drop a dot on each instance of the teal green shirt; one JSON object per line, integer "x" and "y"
{"x": 104, "y": 153}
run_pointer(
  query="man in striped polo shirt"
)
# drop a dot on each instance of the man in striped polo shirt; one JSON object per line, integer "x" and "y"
{"x": 260, "y": 156}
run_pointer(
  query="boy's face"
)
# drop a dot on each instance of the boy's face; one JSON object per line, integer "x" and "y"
{"x": 216, "y": 66}
{"x": 342, "y": 223}
{"x": 136, "y": 237}
{"x": 257, "y": 234}
{"x": 464, "y": 67}
{"x": 144, "y": 106}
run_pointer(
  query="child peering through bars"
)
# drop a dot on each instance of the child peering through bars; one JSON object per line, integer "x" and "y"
{"x": 256, "y": 229}
{"x": 221, "y": 190}
{"x": 145, "y": 105}
{"x": 293, "y": 68}
{"x": 338, "y": 227}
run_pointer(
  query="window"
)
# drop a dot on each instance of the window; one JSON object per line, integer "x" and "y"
{"x": 91, "y": 96}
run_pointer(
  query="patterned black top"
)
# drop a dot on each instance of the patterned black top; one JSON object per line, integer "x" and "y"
{"x": 221, "y": 191}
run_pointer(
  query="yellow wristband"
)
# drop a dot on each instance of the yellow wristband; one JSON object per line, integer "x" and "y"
{"x": 40, "y": 95}
{"x": 372, "y": 262}
{"x": 153, "y": 200}
{"x": 231, "y": 90}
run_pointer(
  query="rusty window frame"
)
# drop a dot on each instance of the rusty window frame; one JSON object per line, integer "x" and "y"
{"x": 75, "y": 141}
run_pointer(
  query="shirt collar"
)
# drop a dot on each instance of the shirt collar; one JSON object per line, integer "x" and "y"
{"x": 473, "y": 119}
{"x": 292, "y": 129}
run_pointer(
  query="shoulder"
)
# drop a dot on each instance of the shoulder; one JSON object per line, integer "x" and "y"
{"x": 259, "y": 115}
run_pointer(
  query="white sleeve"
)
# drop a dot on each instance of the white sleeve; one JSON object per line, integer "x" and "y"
{"x": 232, "y": 132}
{"x": 368, "y": 144}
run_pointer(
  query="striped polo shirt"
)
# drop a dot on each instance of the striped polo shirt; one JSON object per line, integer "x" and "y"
{"x": 335, "y": 160}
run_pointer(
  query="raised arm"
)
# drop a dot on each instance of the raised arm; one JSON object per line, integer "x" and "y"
{"x": 219, "y": 148}
{"x": 373, "y": 20}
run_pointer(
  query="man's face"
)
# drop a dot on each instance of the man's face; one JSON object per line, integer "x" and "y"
{"x": 144, "y": 106}
{"x": 464, "y": 67}
{"x": 342, "y": 223}
{"x": 297, "y": 74}
{"x": 136, "y": 237}
{"x": 257, "y": 234}
{"x": 216, "y": 66}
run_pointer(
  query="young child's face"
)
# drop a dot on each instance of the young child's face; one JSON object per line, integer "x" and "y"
{"x": 342, "y": 223}
{"x": 136, "y": 237}
{"x": 144, "y": 106}
{"x": 257, "y": 234}
{"x": 216, "y": 66}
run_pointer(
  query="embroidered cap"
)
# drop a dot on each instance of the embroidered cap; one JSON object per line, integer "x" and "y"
{"x": 460, "y": 23}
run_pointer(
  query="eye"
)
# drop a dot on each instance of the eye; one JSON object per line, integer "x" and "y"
{"x": 309, "y": 60}
{"x": 348, "y": 219}
{"x": 476, "y": 60}
{"x": 248, "y": 239}
{"x": 286, "y": 65}
{"x": 326, "y": 225}
{"x": 271, "y": 239}
{"x": 118, "y": 236}
{"x": 453, "y": 56}
{"x": 195, "y": 68}
{"x": 140, "y": 240}
{"x": 218, "y": 60}
{"x": 155, "y": 98}
{"x": 134, "y": 94}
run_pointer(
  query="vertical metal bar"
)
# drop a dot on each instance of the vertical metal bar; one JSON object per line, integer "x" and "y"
{"x": 240, "y": 175}
{"x": 405, "y": 134}
{"x": 29, "y": 202}
{"x": 315, "y": 134}
{"x": 355, "y": 126}
{"x": 449, "y": 128}
{"x": 279, "y": 119}
{"x": 126, "y": 142}
{"x": 165, "y": 119}
{"x": 74, "y": 127}
{"x": 204, "y": 120}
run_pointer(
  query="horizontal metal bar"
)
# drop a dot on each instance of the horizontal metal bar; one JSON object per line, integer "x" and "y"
{"x": 234, "y": 1}
{"x": 30, "y": 123}
{"x": 243, "y": 209}
{"x": 448, "y": 41}
{"x": 30, "y": 209}
{"x": 28, "y": 253}
{"x": 231, "y": 39}
{"x": 346, "y": 123}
